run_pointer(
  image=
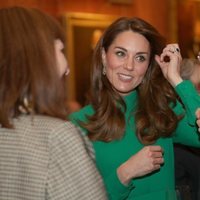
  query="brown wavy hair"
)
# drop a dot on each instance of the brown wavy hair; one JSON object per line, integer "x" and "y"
{"x": 154, "y": 115}
{"x": 28, "y": 64}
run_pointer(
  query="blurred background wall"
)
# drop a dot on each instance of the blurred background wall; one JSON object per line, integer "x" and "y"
{"x": 177, "y": 20}
{"x": 155, "y": 11}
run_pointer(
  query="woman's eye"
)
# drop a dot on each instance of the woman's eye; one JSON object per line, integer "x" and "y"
{"x": 140, "y": 58}
{"x": 120, "y": 53}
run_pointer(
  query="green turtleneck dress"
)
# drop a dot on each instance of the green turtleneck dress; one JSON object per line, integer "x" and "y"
{"x": 159, "y": 185}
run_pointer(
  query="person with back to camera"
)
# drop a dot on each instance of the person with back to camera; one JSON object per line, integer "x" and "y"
{"x": 139, "y": 106}
{"x": 42, "y": 156}
{"x": 187, "y": 159}
{"x": 198, "y": 118}
{"x": 197, "y": 113}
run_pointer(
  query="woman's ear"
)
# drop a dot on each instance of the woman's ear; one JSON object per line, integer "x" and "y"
{"x": 103, "y": 56}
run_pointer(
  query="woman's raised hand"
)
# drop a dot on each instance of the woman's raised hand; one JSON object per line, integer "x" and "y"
{"x": 170, "y": 61}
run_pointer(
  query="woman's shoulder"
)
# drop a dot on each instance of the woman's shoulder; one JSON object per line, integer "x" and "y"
{"x": 42, "y": 124}
{"x": 43, "y": 131}
{"x": 60, "y": 131}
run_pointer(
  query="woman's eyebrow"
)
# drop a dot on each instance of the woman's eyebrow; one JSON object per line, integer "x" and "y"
{"x": 117, "y": 47}
{"x": 140, "y": 52}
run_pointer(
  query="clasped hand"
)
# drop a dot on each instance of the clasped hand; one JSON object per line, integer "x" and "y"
{"x": 147, "y": 160}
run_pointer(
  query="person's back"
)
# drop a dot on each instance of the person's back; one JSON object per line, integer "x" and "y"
{"x": 42, "y": 155}
{"x": 31, "y": 155}
{"x": 187, "y": 159}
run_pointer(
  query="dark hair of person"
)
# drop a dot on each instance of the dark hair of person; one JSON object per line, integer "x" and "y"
{"x": 29, "y": 79}
{"x": 154, "y": 116}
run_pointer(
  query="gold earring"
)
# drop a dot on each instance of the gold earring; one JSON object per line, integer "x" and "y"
{"x": 25, "y": 108}
{"x": 104, "y": 70}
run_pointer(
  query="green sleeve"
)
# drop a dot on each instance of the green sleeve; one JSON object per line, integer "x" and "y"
{"x": 186, "y": 131}
{"x": 115, "y": 189}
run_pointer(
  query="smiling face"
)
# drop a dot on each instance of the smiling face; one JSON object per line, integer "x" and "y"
{"x": 126, "y": 61}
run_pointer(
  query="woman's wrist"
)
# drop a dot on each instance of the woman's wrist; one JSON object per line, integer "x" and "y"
{"x": 176, "y": 81}
{"x": 123, "y": 174}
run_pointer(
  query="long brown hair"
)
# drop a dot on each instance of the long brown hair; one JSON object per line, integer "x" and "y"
{"x": 154, "y": 116}
{"x": 28, "y": 68}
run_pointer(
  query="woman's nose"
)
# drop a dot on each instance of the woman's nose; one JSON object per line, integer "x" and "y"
{"x": 129, "y": 64}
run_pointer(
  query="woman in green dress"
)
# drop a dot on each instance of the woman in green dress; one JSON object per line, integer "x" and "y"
{"x": 139, "y": 107}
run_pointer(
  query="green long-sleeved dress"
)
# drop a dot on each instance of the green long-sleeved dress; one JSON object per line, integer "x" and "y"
{"x": 159, "y": 185}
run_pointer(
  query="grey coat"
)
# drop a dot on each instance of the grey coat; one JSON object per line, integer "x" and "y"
{"x": 47, "y": 158}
